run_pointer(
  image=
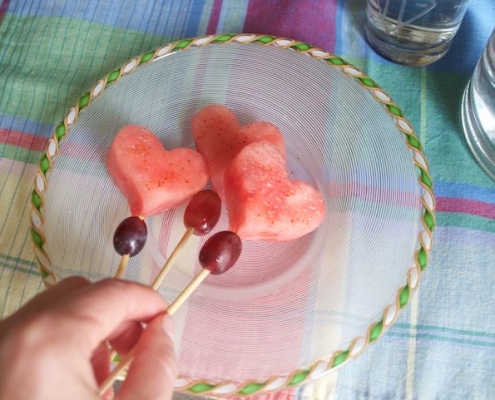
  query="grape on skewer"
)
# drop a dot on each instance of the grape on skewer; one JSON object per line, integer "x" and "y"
{"x": 219, "y": 253}
{"x": 200, "y": 217}
{"x": 128, "y": 240}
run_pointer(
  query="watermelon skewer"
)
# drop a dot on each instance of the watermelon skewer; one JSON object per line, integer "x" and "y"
{"x": 153, "y": 180}
{"x": 248, "y": 169}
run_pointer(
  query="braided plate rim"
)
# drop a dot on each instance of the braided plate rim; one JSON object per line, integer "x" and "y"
{"x": 403, "y": 294}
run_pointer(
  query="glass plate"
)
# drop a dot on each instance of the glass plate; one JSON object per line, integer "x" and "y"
{"x": 287, "y": 312}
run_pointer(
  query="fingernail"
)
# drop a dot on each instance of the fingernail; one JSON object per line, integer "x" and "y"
{"x": 168, "y": 325}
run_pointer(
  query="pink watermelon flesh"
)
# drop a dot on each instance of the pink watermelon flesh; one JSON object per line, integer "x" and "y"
{"x": 262, "y": 203}
{"x": 219, "y": 138}
{"x": 153, "y": 179}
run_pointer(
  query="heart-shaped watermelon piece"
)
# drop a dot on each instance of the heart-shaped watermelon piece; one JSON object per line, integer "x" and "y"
{"x": 262, "y": 203}
{"x": 219, "y": 137}
{"x": 152, "y": 178}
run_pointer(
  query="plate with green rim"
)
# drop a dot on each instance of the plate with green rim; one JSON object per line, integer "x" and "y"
{"x": 288, "y": 312}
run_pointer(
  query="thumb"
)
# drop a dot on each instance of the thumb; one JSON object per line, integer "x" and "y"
{"x": 154, "y": 370}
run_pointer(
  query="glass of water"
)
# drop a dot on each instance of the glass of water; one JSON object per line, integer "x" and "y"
{"x": 413, "y": 32}
{"x": 478, "y": 109}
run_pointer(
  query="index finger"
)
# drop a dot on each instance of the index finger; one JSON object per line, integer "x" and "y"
{"x": 93, "y": 313}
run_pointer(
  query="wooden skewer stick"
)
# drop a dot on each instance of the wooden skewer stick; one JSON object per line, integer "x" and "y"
{"x": 127, "y": 360}
{"x": 123, "y": 264}
{"x": 189, "y": 289}
{"x": 163, "y": 272}
{"x": 118, "y": 275}
{"x": 170, "y": 261}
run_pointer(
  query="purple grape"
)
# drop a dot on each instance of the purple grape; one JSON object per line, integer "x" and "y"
{"x": 130, "y": 236}
{"x": 203, "y": 212}
{"x": 220, "y": 252}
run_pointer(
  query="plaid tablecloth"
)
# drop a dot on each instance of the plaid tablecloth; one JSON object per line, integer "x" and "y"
{"x": 443, "y": 345}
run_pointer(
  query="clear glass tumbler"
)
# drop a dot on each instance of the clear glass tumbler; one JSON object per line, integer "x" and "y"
{"x": 413, "y": 32}
{"x": 478, "y": 109}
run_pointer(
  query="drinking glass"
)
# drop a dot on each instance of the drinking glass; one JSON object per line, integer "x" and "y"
{"x": 478, "y": 109}
{"x": 413, "y": 32}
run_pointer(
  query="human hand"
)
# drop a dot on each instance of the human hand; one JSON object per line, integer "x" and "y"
{"x": 55, "y": 346}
